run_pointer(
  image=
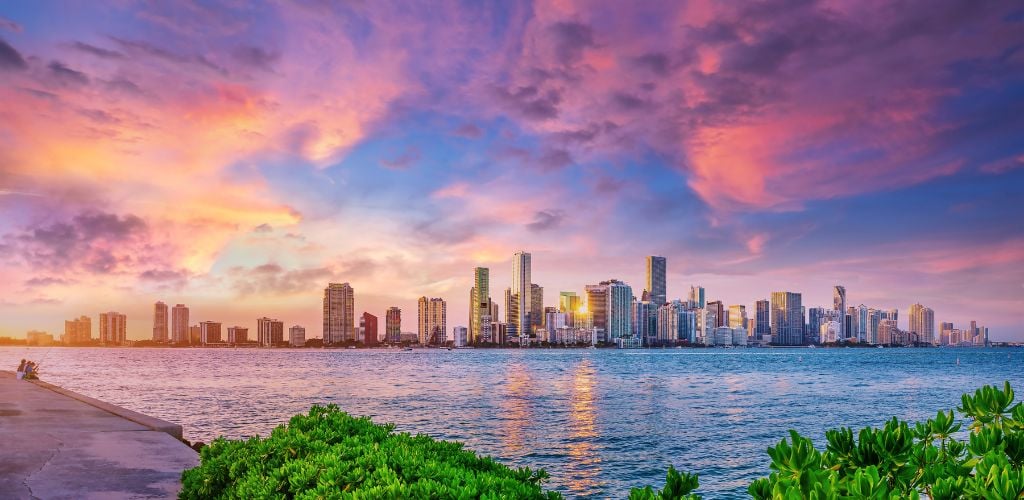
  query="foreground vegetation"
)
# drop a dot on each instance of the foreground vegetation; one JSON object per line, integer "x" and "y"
{"x": 329, "y": 454}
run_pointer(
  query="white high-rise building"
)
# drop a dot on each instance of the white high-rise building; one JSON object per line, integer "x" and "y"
{"x": 339, "y": 313}
{"x": 209, "y": 332}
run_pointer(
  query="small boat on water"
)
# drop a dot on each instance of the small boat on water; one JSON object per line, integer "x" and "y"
{"x": 407, "y": 349}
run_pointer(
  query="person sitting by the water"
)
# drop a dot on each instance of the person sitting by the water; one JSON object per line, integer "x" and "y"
{"x": 21, "y": 371}
{"x": 30, "y": 370}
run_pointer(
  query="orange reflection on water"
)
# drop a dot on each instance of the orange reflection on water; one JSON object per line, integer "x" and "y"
{"x": 584, "y": 463}
{"x": 515, "y": 406}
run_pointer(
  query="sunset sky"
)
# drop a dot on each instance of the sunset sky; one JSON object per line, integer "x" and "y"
{"x": 237, "y": 158}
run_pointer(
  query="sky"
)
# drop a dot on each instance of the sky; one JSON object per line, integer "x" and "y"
{"x": 237, "y": 157}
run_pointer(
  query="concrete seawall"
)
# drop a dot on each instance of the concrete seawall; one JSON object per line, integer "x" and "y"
{"x": 57, "y": 444}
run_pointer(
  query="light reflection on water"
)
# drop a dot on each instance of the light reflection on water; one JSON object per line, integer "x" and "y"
{"x": 599, "y": 421}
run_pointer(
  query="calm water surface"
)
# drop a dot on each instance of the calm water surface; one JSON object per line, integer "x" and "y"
{"x": 599, "y": 421}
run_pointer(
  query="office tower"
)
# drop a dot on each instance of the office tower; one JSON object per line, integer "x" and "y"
{"x": 270, "y": 332}
{"x": 849, "y": 328}
{"x": 620, "y": 310}
{"x": 536, "y": 306}
{"x": 894, "y": 314}
{"x": 297, "y": 336}
{"x": 815, "y": 317}
{"x": 238, "y": 334}
{"x": 479, "y": 302}
{"x": 697, "y": 297}
{"x": 973, "y": 332}
{"x": 596, "y": 310}
{"x": 718, "y": 309}
{"x": 862, "y": 321}
{"x": 737, "y": 316}
{"x": 393, "y": 325}
{"x": 160, "y": 322}
{"x": 764, "y": 325}
{"x": 656, "y": 280}
{"x": 645, "y": 320}
{"x": 78, "y": 331}
{"x": 871, "y": 331}
{"x": 209, "y": 332}
{"x": 179, "y": 324}
{"x": 522, "y": 293}
{"x": 194, "y": 334}
{"x": 751, "y": 327}
{"x": 922, "y": 322}
{"x": 339, "y": 313}
{"x": 112, "y": 328}
{"x": 787, "y": 319}
{"x": 368, "y": 322}
{"x": 432, "y": 320}
{"x": 839, "y": 298}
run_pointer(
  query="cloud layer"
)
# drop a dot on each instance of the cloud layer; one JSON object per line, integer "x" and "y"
{"x": 237, "y": 157}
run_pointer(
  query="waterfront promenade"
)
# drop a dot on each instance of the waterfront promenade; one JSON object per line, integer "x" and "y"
{"x": 56, "y": 444}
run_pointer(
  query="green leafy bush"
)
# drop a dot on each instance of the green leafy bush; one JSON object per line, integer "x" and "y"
{"x": 330, "y": 454}
{"x": 909, "y": 461}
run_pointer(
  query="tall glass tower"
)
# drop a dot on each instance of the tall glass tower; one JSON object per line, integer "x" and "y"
{"x": 656, "y": 279}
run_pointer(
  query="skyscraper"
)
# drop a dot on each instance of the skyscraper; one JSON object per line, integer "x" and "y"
{"x": 718, "y": 309}
{"x": 645, "y": 320}
{"x": 620, "y": 310}
{"x": 815, "y": 318}
{"x": 112, "y": 328}
{"x": 160, "y": 322}
{"x": 370, "y": 333}
{"x": 522, "y": 293}
{"x": 479, "y": 302}
{"x": 922, "y": 322}
{"x": 697, "y": 297}
{"x": 511, "y": 311}
{"x": 339, "y": 313}
{"x": 179, "y": 324}
{"x": 839, "y": 298}
{"x": 787, "y": 318}
{"x": 763, "y": 319}
{"x": 393, "y": 325}
{"x": 656, "y": 280}
{"x": 269, "y": 332}
{"x": 536, "y": 306}
{"x": 431, "y": 316}
{"x": 738, "y": 316}
{"x": 597, "y": 307}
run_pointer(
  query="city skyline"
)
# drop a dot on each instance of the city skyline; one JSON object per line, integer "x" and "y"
{"x": 236, "y": 159}
{"x": 612, "y": 309}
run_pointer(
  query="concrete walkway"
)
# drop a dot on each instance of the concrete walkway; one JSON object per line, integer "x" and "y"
{"x": 56, "y": 444}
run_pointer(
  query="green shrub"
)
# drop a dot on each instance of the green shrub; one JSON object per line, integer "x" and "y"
{"x": 330, "y": 454}
{"x": 909, "y": 461}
